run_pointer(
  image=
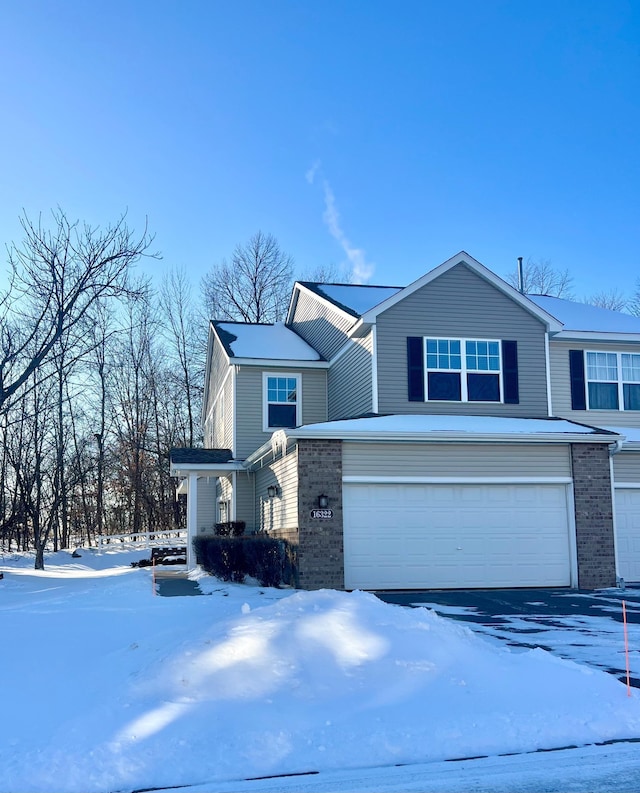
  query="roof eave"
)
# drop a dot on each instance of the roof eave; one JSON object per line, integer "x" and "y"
{"x": 205, "y": 469}
{"x": 286, "y": 362}
{"x": 453, "y": 436}
{"x": 592, "y": 335}
{"x": 333, "y": 306}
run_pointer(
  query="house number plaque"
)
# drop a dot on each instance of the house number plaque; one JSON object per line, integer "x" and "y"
{"x": 322, "y": 514}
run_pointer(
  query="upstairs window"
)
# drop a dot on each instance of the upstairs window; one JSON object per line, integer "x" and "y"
{"x": 463, "y": 370}
{"x": 281, "y": 401}
{"x": 613, "y": 380}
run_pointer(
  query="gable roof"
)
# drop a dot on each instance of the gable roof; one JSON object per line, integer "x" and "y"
{"x": 586, "y": 321}
{"x": 355, "y": 299}
{"x": 464, "y": 258}
{"x": 251, "y": 342}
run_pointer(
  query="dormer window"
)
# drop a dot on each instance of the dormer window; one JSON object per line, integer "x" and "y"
{"x": 281, "y": 401}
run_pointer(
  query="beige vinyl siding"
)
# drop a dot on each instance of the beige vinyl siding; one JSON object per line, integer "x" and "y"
{"x": 245, "y": 508}
{"x": 456, "y": 459}
{"x": 249, "y": 402}
{"x": 278, "y": 516}
{"x": 206, "y": 508}
{"x": 349, "y": 381}
{"x": 227, "y": 415}
{"x": 626, "y": 467}
{"x": 224, "y": 492}
{"x": 460, "y": 304}
{"x": 219, "y": 436}
{"x": 561, "y": 384}
{"x": 324, "y": 329}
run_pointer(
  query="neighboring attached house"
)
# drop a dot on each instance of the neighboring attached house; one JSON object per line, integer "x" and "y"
{"x": 453, "y": 433}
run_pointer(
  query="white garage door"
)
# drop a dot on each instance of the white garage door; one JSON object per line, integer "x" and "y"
{"x": 628, "y": 533}
{"x": 411, "y": 536}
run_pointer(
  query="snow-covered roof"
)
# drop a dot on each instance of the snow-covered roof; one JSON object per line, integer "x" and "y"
{"x": 356, "y": 298}
{"x": 466, "y": 428}
{"x": 631, "y": 435}
{"x": 265, "y": 342}
{"x": 582, "y": 317}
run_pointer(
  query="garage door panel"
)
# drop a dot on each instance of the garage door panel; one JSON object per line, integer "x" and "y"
{"x": 627, "y": 501}
{"x": 450, "y": 536}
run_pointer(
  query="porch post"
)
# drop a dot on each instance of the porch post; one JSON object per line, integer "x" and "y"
{"x": 192, "y": 519}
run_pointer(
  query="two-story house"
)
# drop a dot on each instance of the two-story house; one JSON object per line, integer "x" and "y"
{"x": 450, "y": 433}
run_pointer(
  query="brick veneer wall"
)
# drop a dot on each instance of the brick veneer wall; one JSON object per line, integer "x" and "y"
{"x": 594, "y": 515}
{"x": 321, "y": 543}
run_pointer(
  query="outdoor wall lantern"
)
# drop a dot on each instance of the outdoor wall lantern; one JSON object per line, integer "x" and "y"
{"x": 272, "y": 491}
{"x": 323, "y": 501}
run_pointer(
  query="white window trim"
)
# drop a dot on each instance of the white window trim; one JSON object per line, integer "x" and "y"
{"x": 620, "y": 382}
{"x": 463, "y": 371}
{"x": 265, "y": 398}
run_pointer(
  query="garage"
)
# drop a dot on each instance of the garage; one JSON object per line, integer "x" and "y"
{"x": 447, "y": 536}
{"x": 628, "y": 532}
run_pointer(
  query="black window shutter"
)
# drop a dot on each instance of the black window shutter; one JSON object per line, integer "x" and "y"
{"x": 415, "y": 368}
{"x": 510, "y": 385}
{"x": 576, "y": 374}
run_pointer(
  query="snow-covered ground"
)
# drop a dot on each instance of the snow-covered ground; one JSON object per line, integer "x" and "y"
{"x": 106, "y": 687}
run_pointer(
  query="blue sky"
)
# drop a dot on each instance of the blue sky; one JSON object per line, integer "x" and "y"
{"x": 384, "y": 136}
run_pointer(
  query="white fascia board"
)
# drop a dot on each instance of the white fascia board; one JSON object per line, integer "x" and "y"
{"x": 280, "y": 363}
{"x": 292, "y": 303}
{"x": 259, "y": 454}
{"x": 267, "y": 452}
{"x": 205, "y": 469}
{"x": 207, "y": 374}
{"x": 589, "y": 335}
{"x": 329, "y": 303}
{"x": 214, "y": 330}
{"x": 452, "y": 437}
{"x": 547, "y": 364}
{"x": 552, "y": 324}
{"x": 458, "y": 480}
{"x": 374, "y": 370}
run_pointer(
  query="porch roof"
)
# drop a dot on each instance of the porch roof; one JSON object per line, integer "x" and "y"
{"x": 434, "y": 427}
{"x": 203, "y": 462}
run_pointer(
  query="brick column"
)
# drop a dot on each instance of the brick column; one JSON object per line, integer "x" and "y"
{"x": 594, "y": 515}
{"x": 321, "y": 544}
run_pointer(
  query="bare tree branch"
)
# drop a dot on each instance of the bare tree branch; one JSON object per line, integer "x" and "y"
{"x": 254, "y": 286}
{"x": 57, "y": 275}
{"x": 541, "y": 278}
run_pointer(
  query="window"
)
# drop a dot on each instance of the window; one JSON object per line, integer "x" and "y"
{"x": 463, "y": 370}
{"x": 613, "y": 381}
{"x": 223, "y": 510}
{"x": 281, "y": 404}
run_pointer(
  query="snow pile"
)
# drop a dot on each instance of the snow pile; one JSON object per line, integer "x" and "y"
{"x": 106, "y": 687}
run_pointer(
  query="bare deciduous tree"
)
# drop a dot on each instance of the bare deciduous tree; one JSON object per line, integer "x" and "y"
{"x": 56, "y": 276}
{"x": 254, "y": 286}
{"x": 613, "y": 300}
{"x": 325, "y": 274}
{"x": 182, "y": 330}
{"x": 541, "y": 278}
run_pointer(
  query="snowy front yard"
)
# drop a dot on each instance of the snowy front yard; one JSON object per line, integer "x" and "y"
{"x": 106, "y": 687}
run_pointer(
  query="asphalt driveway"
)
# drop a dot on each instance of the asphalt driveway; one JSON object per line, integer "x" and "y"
{"x": 582, "y": 625}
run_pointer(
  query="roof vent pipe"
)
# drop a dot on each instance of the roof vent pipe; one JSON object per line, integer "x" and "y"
{"x": 520, "y": 276}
